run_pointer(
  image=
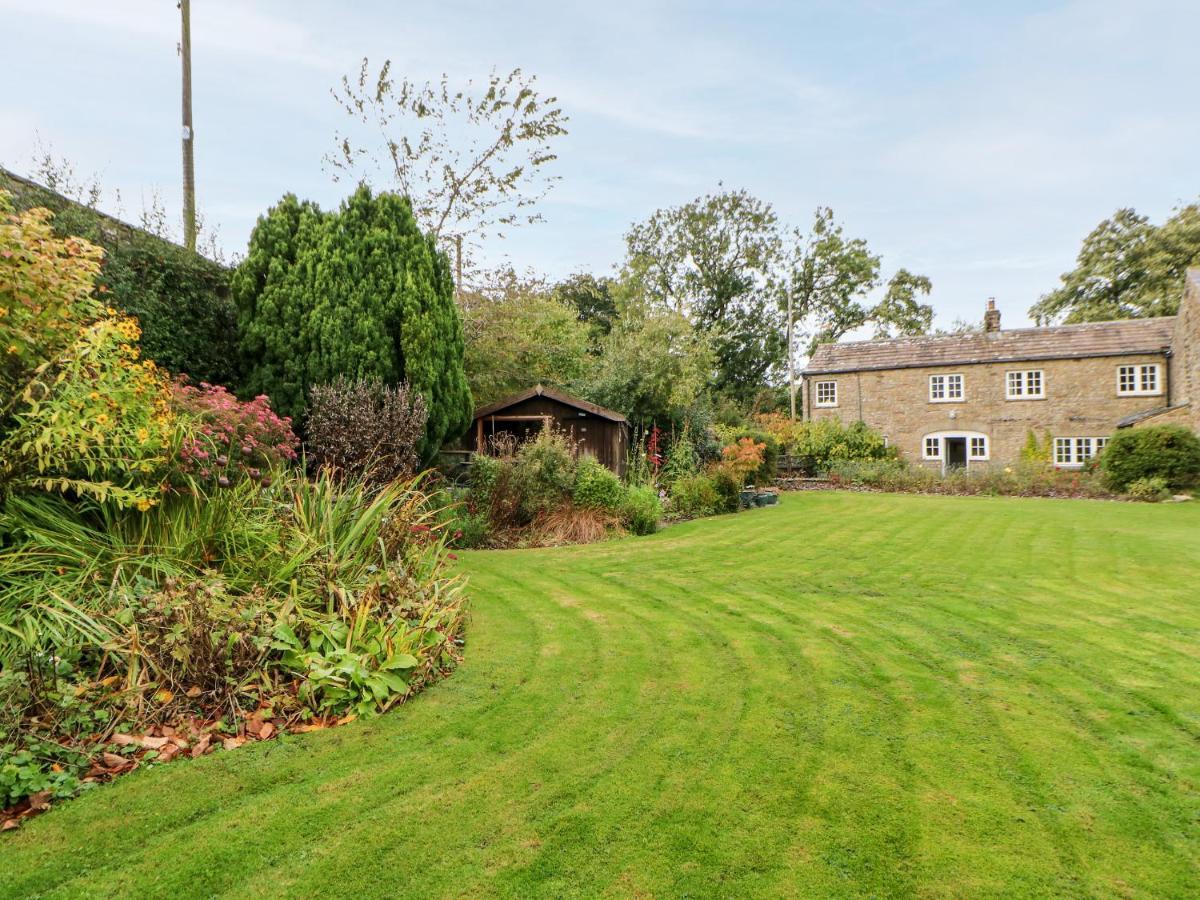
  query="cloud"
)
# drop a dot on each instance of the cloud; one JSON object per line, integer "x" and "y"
{"x": 227, "y": 27}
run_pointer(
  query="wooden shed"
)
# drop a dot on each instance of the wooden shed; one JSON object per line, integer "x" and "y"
{"x": 593, "y": 429}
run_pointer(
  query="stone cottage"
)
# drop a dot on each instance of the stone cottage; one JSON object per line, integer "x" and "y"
{"x": 967, "y": 400}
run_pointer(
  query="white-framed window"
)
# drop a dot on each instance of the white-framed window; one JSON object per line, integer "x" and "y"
{"x": 1075, "y": 451}
{"x": 1026, "y": 385}
{"x": 826, "y": 393}
{"x": 1133, "y": 381}
{"x": 945, "y": 388}
{"x": 933, "y": 448}
{"x": 977, "y": 448}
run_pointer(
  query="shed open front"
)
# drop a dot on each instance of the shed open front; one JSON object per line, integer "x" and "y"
{"x": 591, "y": 429}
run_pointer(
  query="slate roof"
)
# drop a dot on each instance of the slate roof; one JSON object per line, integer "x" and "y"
{"x": 562, "y": 397}
{"x": 1119, "y": 338}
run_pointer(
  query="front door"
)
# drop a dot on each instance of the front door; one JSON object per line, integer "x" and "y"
{"x": 956, "y": 453}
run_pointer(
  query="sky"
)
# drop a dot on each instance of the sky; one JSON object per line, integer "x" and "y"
{"x": 976, "y": 143}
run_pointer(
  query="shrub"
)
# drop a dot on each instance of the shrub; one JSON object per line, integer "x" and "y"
{"x": 465, "y": 524}
{"x": 1150, "y": 490}
{"x": 212, "y": 606}
{"x": 819, "y": 445}
{"x": 231, "y": 440}
{"x": 727, "y": 487}
{"x": 1169, "y": 452}
{"x": 642, "y": 510}
{"x": 359, "y": 292}
{"x": 743, "y": 460}
{"x": 543, "y": 474}
{"x": 365, "y": 429}
{"x": 79, "y": 412}
{"x": 695, "y": 496}
{"x": 596, "y": 487}
{"x": 681, "y": 460}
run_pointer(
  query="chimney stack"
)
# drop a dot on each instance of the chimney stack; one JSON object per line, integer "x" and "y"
{"x": 991, "y": 316}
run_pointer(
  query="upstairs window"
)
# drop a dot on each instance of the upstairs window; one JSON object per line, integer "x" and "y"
{"x": 945, "y": 388}
{"x": 1075, "y": 451}
{"x": 1027, "y": 385}
{"x": 1133, "y": 381}
{"x": 827, "y": 393}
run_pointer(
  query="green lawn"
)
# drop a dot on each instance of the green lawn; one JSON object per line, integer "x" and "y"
{"x": 848, "y": 694}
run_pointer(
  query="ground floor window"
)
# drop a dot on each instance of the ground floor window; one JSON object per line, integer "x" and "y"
{"x": 933, "y": 448}
{"x": 1075, "y": 451}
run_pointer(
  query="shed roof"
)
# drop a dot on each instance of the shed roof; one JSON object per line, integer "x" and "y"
{"x": 1119, "y": 338}
{"x": 541, "y": 391}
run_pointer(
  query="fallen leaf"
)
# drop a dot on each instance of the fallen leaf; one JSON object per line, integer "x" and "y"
{"x": 194, "y": 692}
{"x": 266, "y": 731}
{"x": 232, "y": 743}
{"x": 254, "y": 724}
{"x": 155, "y": 743}
{"x": 125, "y": 740}
{"x": 40, "y": 800}
{"x": 179, "y": 742}
{"x": 168, "y": 753}
{"x": 201, "y": 746}
{"x": 10, "y": 824}
{"x": 164, "y": 696}
{"x": 113, "y": 761}
{"x": 347, "y": 719}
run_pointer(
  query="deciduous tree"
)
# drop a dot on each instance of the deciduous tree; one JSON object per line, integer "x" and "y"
{"x": 1127, "y": 268}
{"x": 472, "y": 158}
{"x": 713, "y": 260}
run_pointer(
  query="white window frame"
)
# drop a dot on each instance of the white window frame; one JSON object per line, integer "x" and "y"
{"x": 934, "y": 443}
{"x": 825, "y": 404}
{"x": 982, "y": 455}
{"x": 1075, "y": 452}
{"x": 1138, "y": 372}
{"x": 1017, "y": 384}
{"x": 945, "y": 388}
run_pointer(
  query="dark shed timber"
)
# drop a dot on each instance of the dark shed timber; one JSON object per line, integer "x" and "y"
{"x": 593, "y": 429}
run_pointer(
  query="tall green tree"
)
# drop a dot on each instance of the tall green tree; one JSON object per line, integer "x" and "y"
{"x": 520, "y": 332}
{"x": 900, "y": 313}
{"x": 714, "y": 260}
{"x": 1127, "y": 268}
{"x": 593, "y": 301}
{"x": 359, "y": 292}
{"x": 654, "y": 364}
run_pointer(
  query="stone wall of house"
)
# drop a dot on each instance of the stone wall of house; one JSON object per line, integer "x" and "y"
{"x": 1185, "y": 351}
{"x": 1081, "y": 401}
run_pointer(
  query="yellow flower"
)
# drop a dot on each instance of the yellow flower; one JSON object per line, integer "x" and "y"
{"x": 3, "y": 311}
{"x": 12, "y": 348}
{"x": 144, "y": 504}
{"x": 143, "y": 435}
{"x": 102, "y": 418}
{"x": 94, "y": 395}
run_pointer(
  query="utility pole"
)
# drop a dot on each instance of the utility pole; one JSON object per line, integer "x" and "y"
{"x": 791, "y": 352}
{"x": 189, "y": 169}
{"x": 458, "y": 267}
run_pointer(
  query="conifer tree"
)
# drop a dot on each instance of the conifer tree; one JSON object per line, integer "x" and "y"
{"x": 360, "y": 292}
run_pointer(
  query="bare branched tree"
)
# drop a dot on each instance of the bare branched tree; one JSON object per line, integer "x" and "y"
{"x": 472, "y": 160}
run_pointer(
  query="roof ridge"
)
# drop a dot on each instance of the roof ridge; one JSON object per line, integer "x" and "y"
{"x": 1037, "y": 329}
